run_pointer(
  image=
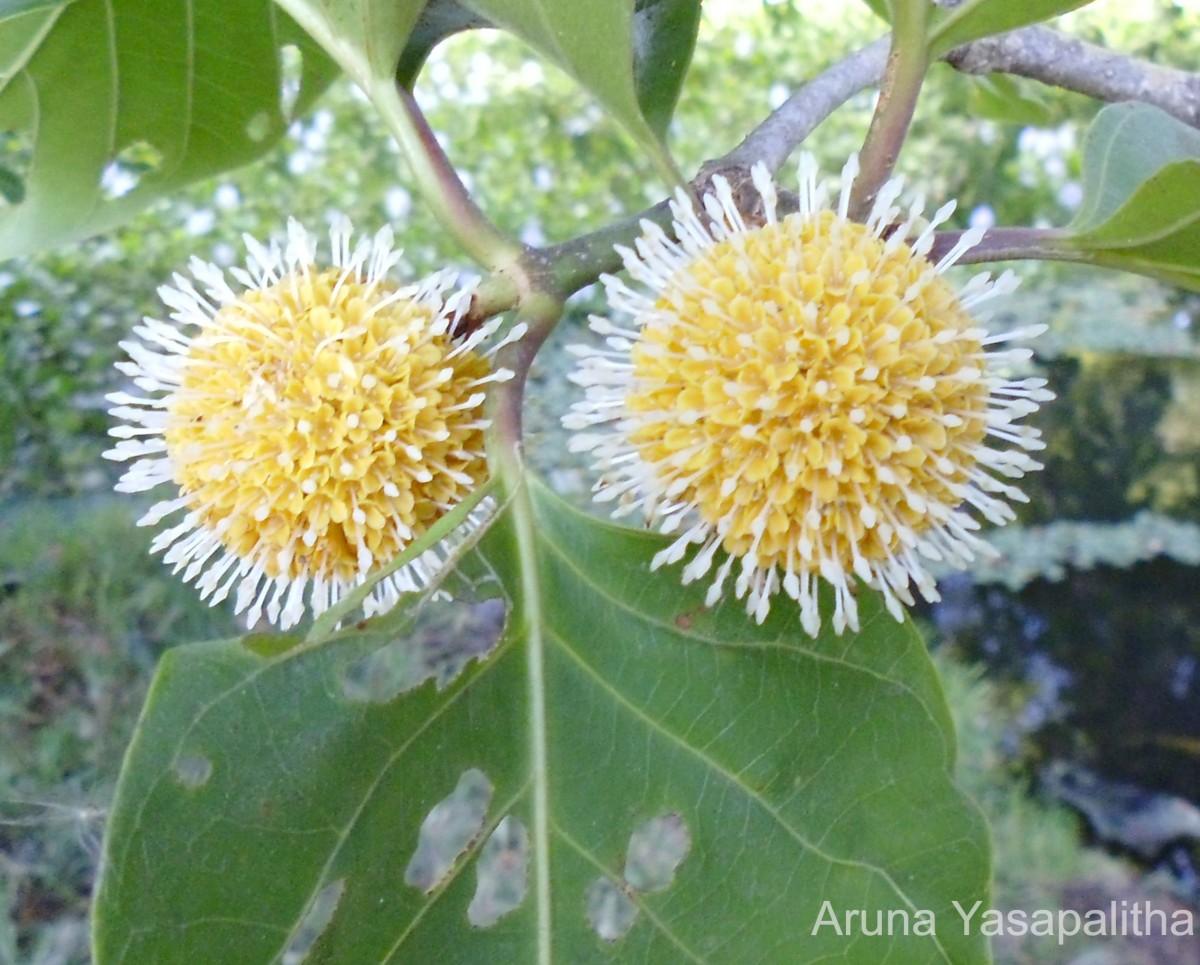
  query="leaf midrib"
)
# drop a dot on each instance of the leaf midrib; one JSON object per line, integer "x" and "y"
{"x": 718, "y": 768}
{"x": 525, "y": 533}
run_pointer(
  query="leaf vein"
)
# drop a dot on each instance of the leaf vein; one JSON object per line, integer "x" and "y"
{"x": 718, "y": 768}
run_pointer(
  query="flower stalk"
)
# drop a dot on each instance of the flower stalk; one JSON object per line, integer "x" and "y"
{"x": 536, "y": 318}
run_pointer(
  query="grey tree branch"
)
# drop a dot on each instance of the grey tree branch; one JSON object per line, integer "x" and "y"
{"x": 1050, "y": 57}
{"x": 1038, "y": 53}
{"x": 789, "y": 124}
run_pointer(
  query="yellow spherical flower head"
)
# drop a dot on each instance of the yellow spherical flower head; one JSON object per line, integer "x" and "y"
{"x": 314, "y": 421}
{"x": 809, "y": 397}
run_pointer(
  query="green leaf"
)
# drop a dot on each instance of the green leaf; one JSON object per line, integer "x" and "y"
{"x": 999, "y": 97}
{"x": 594, "y": 43}
{"x": 664, "y": 36}
{"x": 440, "y": 19}
{"x": 12, "y": 186}
{"x": 15, "y": 7}
{"x": 881, "y": 8}
{"x": 1127, "y": 146}
{"x": 635, "y": 759}
{"x": 973, "y": 19}
{"x": 157, "y": 94}
{"x": 366, "y": 37}
{"x": 1154, "y": 264}
{"x": 11, "y": 8}
{"x": 1141, "y": 194}
{"x": 377, "y": 41}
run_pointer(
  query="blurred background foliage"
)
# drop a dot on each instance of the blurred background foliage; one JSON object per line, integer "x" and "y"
{"x": 1088, "y": 620}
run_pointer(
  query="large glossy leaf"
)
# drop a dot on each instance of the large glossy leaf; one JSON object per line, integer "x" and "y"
{"x": 124, "y": 102}
{"x": 1127, "y": 146}
{"x": 378, "y": 40}
{"x": 664, "y": 36}
{"x": 973, "y": 19}
{"x": 594, "y": 43}
{"x": 1141, "y": 204}
{"x": 366, "y": 37}
{"x": 616, "y": 718}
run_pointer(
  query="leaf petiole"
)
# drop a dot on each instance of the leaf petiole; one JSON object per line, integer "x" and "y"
{"x": 328, "y": 621}
{"x": 907, "y": 64}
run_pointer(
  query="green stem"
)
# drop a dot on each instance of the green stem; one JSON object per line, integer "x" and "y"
{"x": 438, "y": 182}
{"x": 541, "y": 312}
{"x": 496, "y": 293}
{"x": 574, "y": 264}
{"x": 327, "y": 622}
{"x": 907, "y": 64}
{"x": 1011, "y": 244}
{"x": 556, "y": 273}
{"x": 530, "y": 607}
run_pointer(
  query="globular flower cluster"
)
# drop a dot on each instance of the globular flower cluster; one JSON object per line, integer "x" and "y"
{"x": 806, "y": 399}
{"x": 315, "y": 422}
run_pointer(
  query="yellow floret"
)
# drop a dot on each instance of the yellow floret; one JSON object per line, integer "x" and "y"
{"x": 312, "y": 423}
{"x": 824, "y": 394}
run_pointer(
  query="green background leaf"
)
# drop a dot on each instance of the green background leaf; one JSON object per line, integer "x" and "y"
{"x": 1009, "y": 100}
{"x": 168, "y": 92}
{"x": 973, "y": 19}
{"x": 881, "y": 8}
{"x": 12, "y": 187}
{"x": 1141, "y": 194}
{"x": 796, "y": 771}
